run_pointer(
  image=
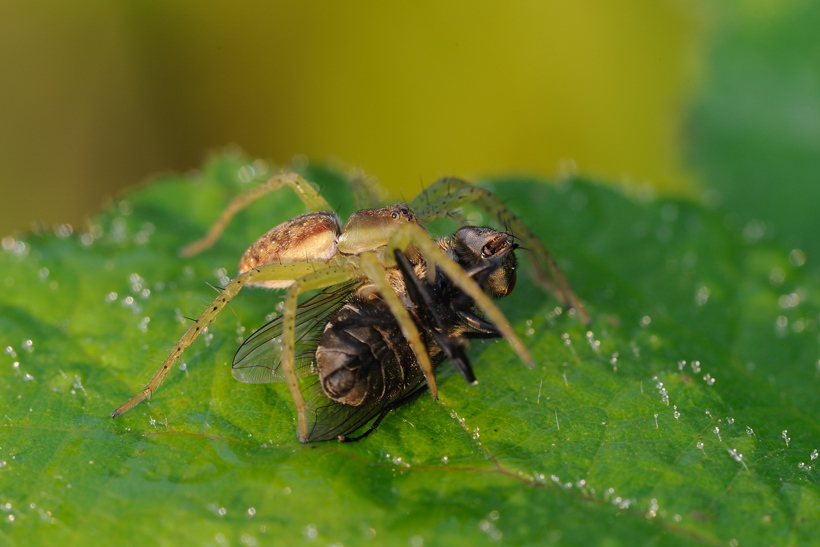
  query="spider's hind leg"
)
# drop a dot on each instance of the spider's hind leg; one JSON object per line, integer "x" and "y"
{"x": 306, "y": 192}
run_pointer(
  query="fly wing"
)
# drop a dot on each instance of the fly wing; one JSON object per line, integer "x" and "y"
{"x": 327, "y": 419}
{"x": 258, "y": 360}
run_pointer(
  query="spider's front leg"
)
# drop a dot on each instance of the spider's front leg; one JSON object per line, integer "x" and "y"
{"x": 320, "y": 279}
{"x": 272, "y": 272}
{"x": 415, "y": 235}
{"x": 373, "y": 268}
{"x": 301, "y": 187}
{"x": 449, "y": 193}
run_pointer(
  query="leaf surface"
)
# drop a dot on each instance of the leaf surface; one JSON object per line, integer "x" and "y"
{"x": 612, "y": 438}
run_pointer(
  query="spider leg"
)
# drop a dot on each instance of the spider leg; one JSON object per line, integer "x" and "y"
{"x": 413, "y": 234}
{"x": 301, "y": 187}
{"x": 315, "y": 280}
{"x": 367, "y": 193}
{"x": 267, "y": 272}
{"x": 449, "y": 193}
{"x": 374, "y": 270}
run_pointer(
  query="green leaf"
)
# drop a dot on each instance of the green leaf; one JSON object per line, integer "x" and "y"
{"x": 611, "y": 439}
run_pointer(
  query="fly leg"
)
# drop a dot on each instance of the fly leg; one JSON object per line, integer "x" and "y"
{"x": 415, "y": 235}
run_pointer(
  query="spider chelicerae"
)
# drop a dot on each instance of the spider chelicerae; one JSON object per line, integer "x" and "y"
{"x": 314, "y": 251}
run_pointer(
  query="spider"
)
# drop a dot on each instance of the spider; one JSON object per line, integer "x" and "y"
{"x": 314, "y": 251}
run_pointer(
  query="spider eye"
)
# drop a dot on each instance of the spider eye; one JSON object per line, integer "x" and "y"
{"x": 395, "y": 214}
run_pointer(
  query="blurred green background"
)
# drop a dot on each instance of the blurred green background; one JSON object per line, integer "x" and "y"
{"x": 99, "y": 96}
{"x": 680, "y": 96}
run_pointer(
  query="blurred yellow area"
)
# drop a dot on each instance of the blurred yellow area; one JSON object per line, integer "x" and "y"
{"x": 98, "y": 96}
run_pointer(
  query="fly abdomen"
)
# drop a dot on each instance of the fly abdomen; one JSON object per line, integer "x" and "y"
{"x": 362, "y": 356}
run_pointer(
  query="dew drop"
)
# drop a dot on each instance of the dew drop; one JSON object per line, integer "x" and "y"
{"x": 645, "y": 321}
{"x": 700, "y": 445}
{"x": 593, "y": 343}
{"x": 780, "y": 324}
{"x": 787, "y": 301}
{"x": 247, "y": 539}
{"x": 738, "y": 457}
{"x": 310, "y": 532}
{"x": 246, "y": 173}
{"x": 814, "y": 454}
{"x": 702, "y": 295}
{"x": 786, "y": 437}
{"x": 749, "y": 431}
{"x": 730, "y": 420}
{"x": 63, "y": 230}
{"x": 797, "y": 257}
{"x": 709, "y": 380}
{"x": 143, "y": 324}
{"x": 77, "y": 384}
{"x": 716, "y": 431}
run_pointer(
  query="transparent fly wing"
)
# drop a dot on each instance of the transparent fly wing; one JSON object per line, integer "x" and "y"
{"x": 258, "y": 360}
{"x": 328, "y": 420}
